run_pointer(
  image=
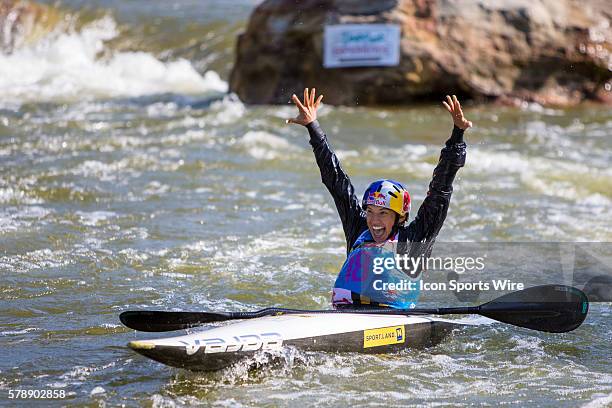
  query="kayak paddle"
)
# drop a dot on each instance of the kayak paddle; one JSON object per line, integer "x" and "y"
{"x": 547, "y": 308}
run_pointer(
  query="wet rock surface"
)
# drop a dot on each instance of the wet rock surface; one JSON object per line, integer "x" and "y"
{"x": 554, "y": 52}
{"x": 24, "y": 22}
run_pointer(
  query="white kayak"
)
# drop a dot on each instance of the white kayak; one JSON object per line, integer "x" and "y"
{"x": 218, "y": 347}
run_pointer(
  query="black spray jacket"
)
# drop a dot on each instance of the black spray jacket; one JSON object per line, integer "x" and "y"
{"x": 430, "y": 217}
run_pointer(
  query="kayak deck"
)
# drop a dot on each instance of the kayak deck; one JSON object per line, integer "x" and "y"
{"x": 218, "y": 347}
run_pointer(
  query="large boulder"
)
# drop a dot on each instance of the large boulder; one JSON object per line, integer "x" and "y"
{"x": 24, "y": 22}
{"x": 554, "y": 52}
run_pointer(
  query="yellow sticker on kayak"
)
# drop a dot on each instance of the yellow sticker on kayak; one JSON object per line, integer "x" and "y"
{"x": 384, "y": 336}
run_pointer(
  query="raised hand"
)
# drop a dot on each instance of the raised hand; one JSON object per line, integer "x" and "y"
{"x": 453, "y": 106}
{"x": 307, "y": 109}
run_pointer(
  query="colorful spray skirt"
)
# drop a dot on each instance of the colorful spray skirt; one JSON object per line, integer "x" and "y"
{"x": 372, "y": 272}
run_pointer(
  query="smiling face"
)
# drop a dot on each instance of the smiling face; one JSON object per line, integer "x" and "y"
{"x": 380, "y": 222}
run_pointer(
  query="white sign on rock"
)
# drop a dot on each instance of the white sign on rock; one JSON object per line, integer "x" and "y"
{"x": 361, "y": 45}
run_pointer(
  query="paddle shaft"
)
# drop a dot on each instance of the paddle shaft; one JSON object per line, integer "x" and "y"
{"x": 549, "y": 308}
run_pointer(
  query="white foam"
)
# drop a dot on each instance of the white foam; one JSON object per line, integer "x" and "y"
{"x": 559, "y": 178}
{"x": 228, "y": 110}
{"x": 66, "y": 67}
{"x": 481, "y": 160}
{"x": 38, "y": 259}
{"x": 134, "y": 255}
{"x": 266, "y": 146}
{"x": 94, "y": 217}
{"x": 97, "y": 391}
{"x": 80, "y": 373}
{"x": 406, "y": 152}
{"x": 600, "y": 401}
{"x": 596, "y": 200}
{"x": 117, "y": 170}
{"x": 17, "y": 332}
{"x": 536, "y": 107}
{"x": 156, "y": 188}
{"x": 346, "y": 154}
{"x": 160, "y": 401}
{"x": 10, "y": 194}
{"x": 15, "y": 218}
{"x": 415, "y": 159}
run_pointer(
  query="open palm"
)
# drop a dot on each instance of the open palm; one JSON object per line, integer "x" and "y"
{"x": 307, "y": 110}
{"x": 453, "y": 106}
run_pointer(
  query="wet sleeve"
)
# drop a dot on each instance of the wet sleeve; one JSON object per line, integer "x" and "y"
{"x": 432, "y": 213}
{"x": 338, "y": 184}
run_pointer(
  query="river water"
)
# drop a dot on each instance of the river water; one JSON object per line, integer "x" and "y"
{"x": 130, "y": 179}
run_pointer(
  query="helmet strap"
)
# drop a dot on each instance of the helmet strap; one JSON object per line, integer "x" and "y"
{"x": 395, "y": 227}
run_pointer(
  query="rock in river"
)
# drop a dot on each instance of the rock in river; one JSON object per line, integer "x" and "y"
{"x": 554, "y": 52}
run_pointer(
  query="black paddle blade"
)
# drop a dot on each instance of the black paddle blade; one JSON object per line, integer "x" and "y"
{"x": 548, "y": 308}
{"x": 159, "y": 321}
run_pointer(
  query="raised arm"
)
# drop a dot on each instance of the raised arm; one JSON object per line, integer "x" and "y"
{"x": 432, "y": 213}
{"x": 333, "y": 176}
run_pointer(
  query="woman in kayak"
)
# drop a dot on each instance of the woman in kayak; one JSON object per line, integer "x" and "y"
{"x": 376, "y": 227}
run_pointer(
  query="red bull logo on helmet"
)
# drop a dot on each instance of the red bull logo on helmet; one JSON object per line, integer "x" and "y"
{"x": 377, "y": 198}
